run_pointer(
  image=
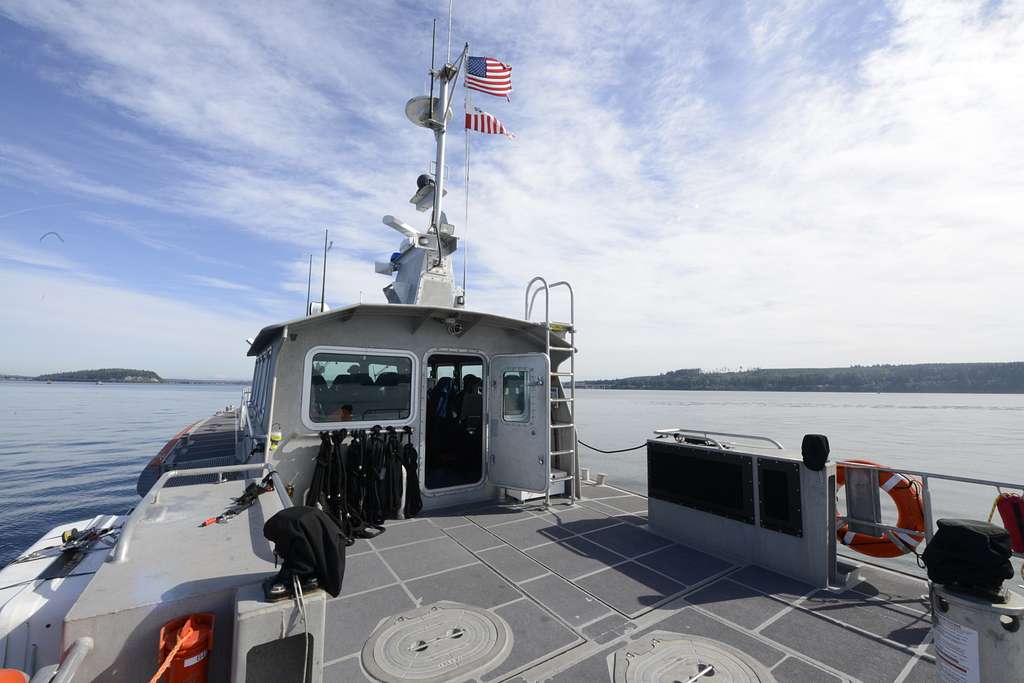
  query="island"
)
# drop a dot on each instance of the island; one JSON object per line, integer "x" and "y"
{"x": 939, "y": 378}
{"x": 114, "y": 375}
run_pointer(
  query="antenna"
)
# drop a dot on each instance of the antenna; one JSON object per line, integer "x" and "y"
{"x": 433, "y": 41}
{"x": 309, "y": 281}
{"x": 323, "y": 283}
{"x": 449, "y": 58}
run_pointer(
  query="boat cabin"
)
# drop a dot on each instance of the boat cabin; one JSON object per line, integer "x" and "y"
{"x": 479, "y": 393}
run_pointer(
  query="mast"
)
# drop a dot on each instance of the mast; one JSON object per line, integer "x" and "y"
{"x": 439, "y": 136}
{"x": 421, "y": 270}
{"x": 446, "y": 74}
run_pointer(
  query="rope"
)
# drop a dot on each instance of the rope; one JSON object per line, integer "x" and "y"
{"x": 619, "y": 450}
{"x": 166, "y": 664}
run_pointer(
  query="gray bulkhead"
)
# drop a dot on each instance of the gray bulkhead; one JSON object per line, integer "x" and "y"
{"x": 418, "y": 330}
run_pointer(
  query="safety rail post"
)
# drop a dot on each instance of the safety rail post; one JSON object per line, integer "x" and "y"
{"x": 929, "y": 521}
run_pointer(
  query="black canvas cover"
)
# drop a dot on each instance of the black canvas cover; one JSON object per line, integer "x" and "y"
{"x": 309, "y": 544}
{"x": 970, "y": 556}
{"x": 815, "y": 450}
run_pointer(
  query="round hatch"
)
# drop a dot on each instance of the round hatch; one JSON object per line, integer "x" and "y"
{"x": 446, "y": 641}
{"x": 667, "y": 657}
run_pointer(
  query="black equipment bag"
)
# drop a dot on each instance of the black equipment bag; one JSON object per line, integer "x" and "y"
{"x": 310, "y": 545}
{"x": 969, "y": 556}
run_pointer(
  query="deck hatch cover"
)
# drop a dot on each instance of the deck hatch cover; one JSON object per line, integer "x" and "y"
{"x": 445, "y": 641}
{"x": 664, "y": 656}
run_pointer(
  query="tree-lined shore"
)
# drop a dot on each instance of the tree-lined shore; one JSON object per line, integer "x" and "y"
{"x": 974, "y": 378}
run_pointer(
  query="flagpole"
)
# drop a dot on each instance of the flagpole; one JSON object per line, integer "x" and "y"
{"x": 465, "y": 222}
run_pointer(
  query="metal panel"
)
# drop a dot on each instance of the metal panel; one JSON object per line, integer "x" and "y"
{"x": 779, "y": 496}
{"x": 718, "y": 482}
{"x": 863, "y": 501}
{"x": 518, "y": 444}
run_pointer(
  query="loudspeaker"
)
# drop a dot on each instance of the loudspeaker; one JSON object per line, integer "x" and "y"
{"x": 815, "y": 451}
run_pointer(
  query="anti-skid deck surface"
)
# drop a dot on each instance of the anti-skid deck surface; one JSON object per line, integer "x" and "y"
{"x": 576, "y": 583}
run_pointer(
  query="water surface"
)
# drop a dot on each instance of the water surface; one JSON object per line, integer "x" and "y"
{"x": 70, "y": 451}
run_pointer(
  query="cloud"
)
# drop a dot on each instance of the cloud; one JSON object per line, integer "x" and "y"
{"x": 75, "y": 323}
{"x": 786, "y": 184}
{"x": 218, "y": 283}
{"x": 36, "y": 256}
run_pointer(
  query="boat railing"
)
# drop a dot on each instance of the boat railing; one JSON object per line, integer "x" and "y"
{"x": 65, "y": 672}
{"x": 926, "y": 479}
{"x": 152, "y": 497}
{"x": 680, "y": 434}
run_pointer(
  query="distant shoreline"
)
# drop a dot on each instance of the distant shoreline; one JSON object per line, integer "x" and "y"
{"x": 116, "y": 376}
{"x": 924, "y": 378}
{"x": 977, "y": 392}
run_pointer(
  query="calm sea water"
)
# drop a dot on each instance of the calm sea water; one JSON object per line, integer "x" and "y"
{"x": 70, "y": 451}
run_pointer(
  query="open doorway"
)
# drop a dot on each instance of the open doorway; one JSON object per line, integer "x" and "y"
{"x": 454, "y": 421}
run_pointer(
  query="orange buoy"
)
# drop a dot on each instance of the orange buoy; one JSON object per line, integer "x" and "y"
{"x": 185, "y": 648}
{"x": 13, "y": 676}
{"x": 904, "y": 492}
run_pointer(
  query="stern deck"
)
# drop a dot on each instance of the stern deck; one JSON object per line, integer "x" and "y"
{"x": 576, "y": 583}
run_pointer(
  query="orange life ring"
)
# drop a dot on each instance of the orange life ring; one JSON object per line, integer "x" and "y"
{"x": 904, "y": 492}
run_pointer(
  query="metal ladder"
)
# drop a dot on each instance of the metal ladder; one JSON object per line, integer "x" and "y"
{"x": 568, "y": 399}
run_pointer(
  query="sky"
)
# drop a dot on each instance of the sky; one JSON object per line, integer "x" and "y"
{"x": 726, "y": 185}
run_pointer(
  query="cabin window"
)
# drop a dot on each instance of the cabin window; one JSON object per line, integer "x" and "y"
{"x": 515, "y": 406}
{"x": 259, "y": 397}
{"x": 359, "y": 387}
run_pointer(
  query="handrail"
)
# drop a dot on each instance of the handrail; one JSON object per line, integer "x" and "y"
{"x": 926, "y": 494}
{"x": 528, "y": 307}
{"x": 933, "y": 475}
{"x": 65, "y": 672}
{"x": 528, "y": 301}
{"x": 120, "y": 551}
{"x": 706, "y": 432}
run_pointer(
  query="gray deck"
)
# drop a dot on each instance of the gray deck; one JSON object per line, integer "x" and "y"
{"x": 576, "y": 583}
{"x": 208, "y": 443}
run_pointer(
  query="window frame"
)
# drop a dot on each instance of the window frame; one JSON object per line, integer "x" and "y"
{"x": 307, "y": 380}
{"x": 525, "y": 416}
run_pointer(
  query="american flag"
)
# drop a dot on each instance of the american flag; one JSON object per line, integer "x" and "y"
{"x": 488, "y": 76}
{"x": 483, "y": 122}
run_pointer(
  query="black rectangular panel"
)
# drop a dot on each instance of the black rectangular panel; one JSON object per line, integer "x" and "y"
{"x": 711, "y": 480}
{"x": 779, "y": 489}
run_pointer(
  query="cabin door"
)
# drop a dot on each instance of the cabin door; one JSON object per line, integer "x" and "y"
{"x": 518, "y": 399}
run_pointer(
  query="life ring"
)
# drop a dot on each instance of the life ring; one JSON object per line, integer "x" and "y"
{"x": 904, "y": 492}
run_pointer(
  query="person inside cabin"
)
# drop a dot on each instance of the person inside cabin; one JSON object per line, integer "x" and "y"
{"x": 345, "y": 413}
{"x": 470, "y": 389}
{"x": 319, "y": 395}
